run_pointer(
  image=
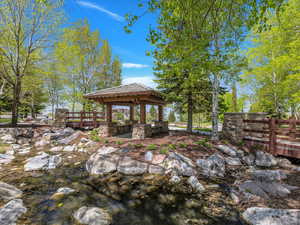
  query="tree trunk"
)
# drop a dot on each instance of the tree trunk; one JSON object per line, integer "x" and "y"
{"x": 215, "y": 108}
{"x": 15, "y": 104}
{"x": 190, "y": 113}
{"x": 234, "y": 97}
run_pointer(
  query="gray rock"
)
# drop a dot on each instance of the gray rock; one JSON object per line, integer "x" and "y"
{"x": 227, "y": 150}
{"x": 93, "y": 216}
{"x": 233, "y": 161}
{"x": 84, "y": 140}
{"x": 6, "y": 158}
{"x": 284, "y": 163}
{"x": 148, "y": 156}
{"x": 70, "y": 148}
{"x": 57, "y": 149}
{"x": 68, "y": 140}
{"x": 180, "y": 167}
{"x": 195, "y": 184}
{"x": 212, "y": 166}
{"x": 23, "y": 151}
{"x": 42, "y": 162}
{"x": 264, "y": 159}
{"x": 65, "y": 190}
{"x": 180, "y": 157}
{"x": 175, "y": 179}
{"x": 268, "y": 175}
{"x": 8, "y": 138}
{"x": 249, "y": 160}
{"x": 11, "y": 211}
{"x": 102, "y": 164}
{"x": 156, "y": 169}
{"x": 9, "y": 192}
{"x": 268, "y": 216}
{"x": 106, "y": 150}
{"x": 130, "y": 166}
{"x": 41, "y": 143}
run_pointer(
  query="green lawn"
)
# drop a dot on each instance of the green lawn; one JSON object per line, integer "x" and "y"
{"x": 4, "y": 120}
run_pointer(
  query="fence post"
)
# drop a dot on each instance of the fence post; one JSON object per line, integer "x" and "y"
{"x": 95, "y": 119}
{"x": 81, "y": 119}
{"x": 292, "y": 129}
{"x": 272, "y": 135}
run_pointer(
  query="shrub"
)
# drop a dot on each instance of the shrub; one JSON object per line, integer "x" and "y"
{"x": 204, "y": 142}
{"x": 96, "y": 138}
{"x": 151, "y": 147}
{"x": 172, "y": 146}
{"x": 106, "y": 141}
{"x": 164, "y": 151}
{"x": 119, "y": 142}
{"x": 183, "y": 145}
{"x": 138, "y": 145}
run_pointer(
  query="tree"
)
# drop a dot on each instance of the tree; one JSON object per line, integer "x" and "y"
{"x": 27, "y": 27}
{"x": 172, "y": 117}
{"x": 153, "y": 113}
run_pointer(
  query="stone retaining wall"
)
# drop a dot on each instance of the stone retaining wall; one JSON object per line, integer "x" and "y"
{"x": 233, "y": 126}
{"x": 60, "y": 117}
{"x": 141, "y": 131}
{"x": 112, "y": 129}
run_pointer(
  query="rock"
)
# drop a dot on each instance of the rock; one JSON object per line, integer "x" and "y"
{"x": 130, "y": 166}
{"x": 213, "y": 165}
{"x": 42, "y": 162}
{"x": 8, "y": 138}
{"x": 175, "y": 179}
{"x": 9, "y": 192}
{"x": 268, "y": 175}
{"x": 233, "y": 161}
{"x": 93, "y": 216}
{"x": 158, "y": 158}
{"x": 57, "y": 149}
{"x": 11, "y": 211}
{"x": 65, "y": 190}
{"x": 148, "y": 156}
{"x": 6, "y": 158}
{"x": 268, "y": 216}
{"x": 156, "y": 169}
{"x": 249, "y": 160}
{"x": 264, "y": 159}
{"x": 227, "y": 150}
{"x": 284, "y": 163}
{"x": 180, "y": 157}
{"x": 70, "y": 148}
{"x": 70, "y": 139}
{"x": 24, "y": 151}
{"x": 174, "y": 163}
{"x": 102, "y": 164}
{"x": 106, "y": 150}
{"x": 90, "y": 144}
{"x": 42, "y": 143}
{"x": 84, "y": 140}
{"x": 195, "y": 184}
{"x": 266, "y": 189}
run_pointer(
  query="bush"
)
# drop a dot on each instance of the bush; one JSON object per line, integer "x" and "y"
{"x": 183, "y": 145}
{"x": 138, "y": 146}
{"x": 172, "y": 146}
{"x": 164, "y": 151}
{"x": 119, "y": 142}
{"x": 96, "y": 138}
{"x": 151, "y": 147}
{"x": 204, "y": 142}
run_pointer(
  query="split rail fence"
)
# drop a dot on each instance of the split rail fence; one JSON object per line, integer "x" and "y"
{"x": 84, "y": 119}
{"x": 277, "y": 136}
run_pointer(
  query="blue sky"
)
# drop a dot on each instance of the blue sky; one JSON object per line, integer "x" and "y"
{"x": 108, "y": 17}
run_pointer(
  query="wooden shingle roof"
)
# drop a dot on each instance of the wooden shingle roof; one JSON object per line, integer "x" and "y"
{"x": 130, "y": 93}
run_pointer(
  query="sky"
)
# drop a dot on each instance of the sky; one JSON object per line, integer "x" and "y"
{"x": 108, "y": 17}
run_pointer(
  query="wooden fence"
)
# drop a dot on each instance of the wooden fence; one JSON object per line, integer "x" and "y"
{"x": 84, "y": 119}
{"x": 277, "y": 136}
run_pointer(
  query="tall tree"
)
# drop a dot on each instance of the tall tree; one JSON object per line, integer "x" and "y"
{"x": 26, "y": 27}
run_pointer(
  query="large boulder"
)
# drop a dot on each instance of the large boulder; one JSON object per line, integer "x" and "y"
{"x": 99, "y": 163}
{"x": 8, "y": 138}
{"x": 195, "y": 184}
{"x": 9, "y": 192}
{"x": 93, "y": 216}
{"x": 178, "y": 166}
{"x": 42, "y": 161}
{"x": 227, "y": 150}
{"x": 11, "y": 211}
{"x": 213, "y": 166}
{"x": 68, "y": 140}
{"x": 6, "y": 158}
{"x": 233, "y": 161}
{"x": 268, "y": 175}
{"x": 268, "y": 216}
{"x": 106, "y": 150}
{"x": 129, "y": 166}
{"x": 264, "y": 159}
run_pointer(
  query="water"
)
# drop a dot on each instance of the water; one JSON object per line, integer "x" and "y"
{"x": 132, "y": 200}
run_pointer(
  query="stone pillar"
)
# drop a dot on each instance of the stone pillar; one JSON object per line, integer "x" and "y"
{"x": 108, "y": 113}
{"x": 131, "y": 113}
{"x": 108, "y": 130}
{"x": 60, "y": 117}
{"x": 160, "y": 113}
{"x": 143, "y": 113}
{"x": 141, "y": 131}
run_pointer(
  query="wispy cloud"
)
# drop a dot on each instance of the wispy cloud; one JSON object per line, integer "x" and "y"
{"x": 146, "y": 80}
{"x": 134, "y": 65}
{"x": 101, "y": 9}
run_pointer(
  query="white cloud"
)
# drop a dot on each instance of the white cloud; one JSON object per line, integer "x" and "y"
{"x": 134, "y": 65}
{"x": 146, "y": 80}
{"x": 101, "y": 9}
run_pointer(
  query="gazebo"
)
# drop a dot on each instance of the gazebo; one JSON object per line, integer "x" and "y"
{"x": 130, "y": 95}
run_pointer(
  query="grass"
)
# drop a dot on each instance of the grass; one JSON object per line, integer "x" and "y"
{"x": 151, "y": 147}
{"x": 205, "y": 129}
{"x": 5, "y": 120}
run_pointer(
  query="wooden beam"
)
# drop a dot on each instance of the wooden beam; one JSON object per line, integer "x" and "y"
{"x": 143, "y": 113}
{"x": 109, "y": 113}
{"x": 131, "y": 113}
{"x": 160, "y": 113}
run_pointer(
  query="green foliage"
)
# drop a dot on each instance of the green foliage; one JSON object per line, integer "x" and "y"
{"x": 138, "y": 145}
{"x": 172, "y": 146}
{"x": 164, "y": 151}
{"x": 204, "y": 143}
{"x": 151, "y": 147}
{"x": 119, "y": 142}
{"x": 172, "y": 117}
{"x": 182, "y": 145}
{"x": 94, "y": 135}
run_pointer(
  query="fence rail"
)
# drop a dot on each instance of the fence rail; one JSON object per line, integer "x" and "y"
{"x": 84, "y": 119}
{"x": 277, "y": 136}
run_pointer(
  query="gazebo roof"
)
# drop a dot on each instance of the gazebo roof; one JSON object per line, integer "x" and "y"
{"x": 127, "y": 94}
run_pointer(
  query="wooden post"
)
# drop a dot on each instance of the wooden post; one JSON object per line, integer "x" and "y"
{"x": 272, "y": 136}
{"x": 95, "y": 119}
{"x": 108, "y": 113}
{"x": 81, "y": 119}
{"x": 160, "y": 113}
{"x": 143, "y": 113}
{"x": 292, "y": 129}
{"x": 131, "y": 111}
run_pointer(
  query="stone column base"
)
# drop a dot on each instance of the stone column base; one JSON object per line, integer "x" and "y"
{"x": 141, "y": 131}
{"x": 60, "y": 118}
{"x": 107, "y": 130}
